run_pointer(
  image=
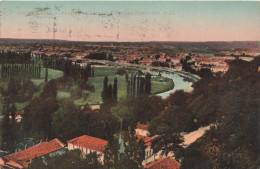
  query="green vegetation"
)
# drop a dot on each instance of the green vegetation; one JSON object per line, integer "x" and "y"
{"x": 231, "y": 101}
{"x": 189, "y": 75}
{"x": 159, "y": 85}
{"x": 52, "y": 74}
{"x": 67, "y": 160}
{"x": 21, "y": 106}
{"x": 63, "y": 95}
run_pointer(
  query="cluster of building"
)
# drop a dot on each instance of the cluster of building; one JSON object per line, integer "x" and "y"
{"x": 154, "y": 159}
{"x": 87, "y": 144}
{"x": 151, "y": 55}
{"x": 22, "y": 159}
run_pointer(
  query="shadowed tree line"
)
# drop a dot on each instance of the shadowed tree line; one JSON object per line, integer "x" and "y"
{"x": 231, "y": 101}
{"x": 14, "y": 57}
{"x": 32, "y": 70}
{"x": 138, "y": 85}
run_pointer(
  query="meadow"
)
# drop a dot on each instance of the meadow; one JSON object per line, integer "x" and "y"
{"x": 52, "y": 74}
{"x": 159, "y": 85}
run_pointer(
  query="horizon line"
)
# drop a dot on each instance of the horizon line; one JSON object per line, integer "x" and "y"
{"x": 128, "y": 41}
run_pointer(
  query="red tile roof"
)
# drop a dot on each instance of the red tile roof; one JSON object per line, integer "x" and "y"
{"x": 164, "y": 163}
{"x": 139, "y": 137}
{"x": 141, "y": 126}
{"x": 89, "y": 142}
{"x": 147, "y": 140}
{"x": 23, "y": 157}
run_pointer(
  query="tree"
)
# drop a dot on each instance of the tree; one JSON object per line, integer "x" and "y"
{"x": 134, "y": 151}
{"x": 46, "y": 74}
{"x": 121, "y": 71}
{"x": 178, "y": 98}
{"x": 122, "y": 114}
{"x": 236, "y": 113}
{"x": 157, "y": 57}
{"x": 134, "y": 86}
{"x": 38, "y": 114}
{"x": 67, "y": 160}
{"x": 115, "y": 90}
{"x": 148, "y": 84}
{"x": 111, "y": 153}
{"x": 105, "y": 92}
{"x": 126, "y": 77}
{"x": 168, "y": 143}
{"x": 92, "y": 72}
{"x": 110, "y": 58}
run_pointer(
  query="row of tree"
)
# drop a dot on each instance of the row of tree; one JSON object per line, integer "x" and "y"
{"x": 70, "y": 70}
{"x": 109, "y": 93}
{"x": 14, "y": 57}
{"x": 31, "y": 70}
{"x": 138, "y": 85}
{"x": 100, "y": 56}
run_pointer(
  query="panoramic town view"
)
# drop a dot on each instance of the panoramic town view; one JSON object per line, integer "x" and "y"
{"x": 129, "y": 85}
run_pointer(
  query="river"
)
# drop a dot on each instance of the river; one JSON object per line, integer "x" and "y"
{"x": 181, "y": 80}
{"x": 179, "y": 83}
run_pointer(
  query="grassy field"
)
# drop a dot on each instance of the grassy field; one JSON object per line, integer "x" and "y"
{"x": 52, "y": 74}
{"x": 63, "y": 95}
{"x": 159, "y": 84}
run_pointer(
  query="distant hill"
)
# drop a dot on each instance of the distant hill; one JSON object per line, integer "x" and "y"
{"x": 29, "y": 41}
{"x": 216, "y": 45}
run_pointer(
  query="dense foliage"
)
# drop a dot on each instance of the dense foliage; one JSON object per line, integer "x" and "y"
{"x": 235, "y": 141}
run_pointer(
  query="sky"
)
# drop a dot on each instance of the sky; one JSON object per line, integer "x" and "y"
{"x": 131, "y": 21}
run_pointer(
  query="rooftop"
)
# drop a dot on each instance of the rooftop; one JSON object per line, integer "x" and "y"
{"x": 141, "y": 126}
{"x": 23, "y": 157}
{"x": 163, "y": 163}
{"x": 89, "y": 142}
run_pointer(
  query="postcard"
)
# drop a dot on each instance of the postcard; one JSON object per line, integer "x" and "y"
{"x": 129, "y": 84}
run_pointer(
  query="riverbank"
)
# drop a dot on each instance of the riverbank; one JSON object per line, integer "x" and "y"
{"x": 159, "y": 84}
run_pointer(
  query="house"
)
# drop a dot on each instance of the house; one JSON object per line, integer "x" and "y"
{"x": 22, "y": 159}
{"x": 88, "y": 144}
{"x": 178, "y": 67}
{"x": 17, "y": 116}
{"x": 165, "y": 163}
{"x": 219, "y": 69}
{"x": 150, "y": 155}
{"x": 141, "y": 129}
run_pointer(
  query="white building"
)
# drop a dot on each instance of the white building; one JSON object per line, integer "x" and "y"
{"x": 141, "y": 130}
